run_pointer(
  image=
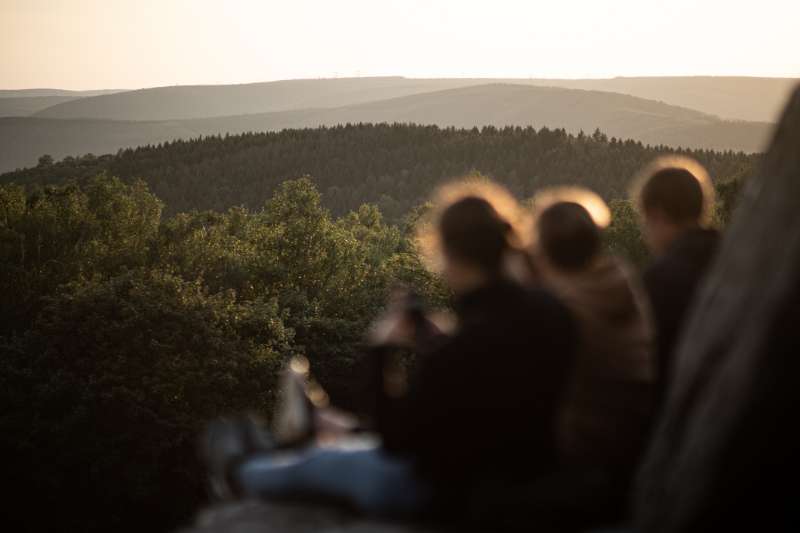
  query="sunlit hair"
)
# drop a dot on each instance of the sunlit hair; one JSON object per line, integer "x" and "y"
{"x": 589, "y": 200}
{"x": 428, "y": 237}
{"x": 673, "y": 167}
{"x": 568, "y": 236}
{"x": 558, "y": 228}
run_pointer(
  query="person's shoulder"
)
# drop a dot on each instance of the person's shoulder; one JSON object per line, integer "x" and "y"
{"x": 658, "y": 269}
{"x": 544, "y": 301}
{"x": 667, "y": 278}
{"x": 699, "y": 244}
{"x": 689, "y": 256}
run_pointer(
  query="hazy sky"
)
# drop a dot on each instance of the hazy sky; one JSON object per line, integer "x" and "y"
{"x": 92, "y": 44}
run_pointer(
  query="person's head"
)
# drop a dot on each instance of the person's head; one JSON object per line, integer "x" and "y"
{"x": 474, "y": 240}
{"x": 674, "y": 195}
{"x": 568, "y": 236}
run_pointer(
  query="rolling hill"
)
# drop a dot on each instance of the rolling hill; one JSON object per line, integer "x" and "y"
{"x": 23, "y": 140}
{"x": 28, "y": 105}
{"x": 201, "y": 101}
{"x": 29, "y": 93}
{"x": 500, "y": 105}
{"x": 21, "y": 103}
{"x": 739, "y": 98}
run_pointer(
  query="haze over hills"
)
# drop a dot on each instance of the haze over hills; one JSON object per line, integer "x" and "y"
{"x": 23, "y": 140}
{"x": 500, "y": 105}
{"x": 28, "y": 93}
{"x": 729, "y": 97}
{"x": 21, "y": 103}
{"x": 201, "y": 101}
{"x": 755, "y": 99}
{"x": 28, "y": 105}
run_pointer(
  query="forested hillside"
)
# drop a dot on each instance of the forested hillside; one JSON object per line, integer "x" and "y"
{"x": 125, "y": 324}
{"x": 24, "y": 139}
{"x": 393, "y": 166}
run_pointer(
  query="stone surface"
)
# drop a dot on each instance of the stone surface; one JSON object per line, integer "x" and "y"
{"x": 724, "y": 441}
{"x": 273, "y": 517}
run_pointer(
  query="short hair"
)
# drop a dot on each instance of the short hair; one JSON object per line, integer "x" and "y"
{"x": 679, "y": 188}
{"x": 471, "y": 230}
{"x": 568, "y": 235}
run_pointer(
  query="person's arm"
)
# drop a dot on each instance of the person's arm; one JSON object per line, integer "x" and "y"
{"x": 403, "y": 329}
{"x": 406, "y": 398}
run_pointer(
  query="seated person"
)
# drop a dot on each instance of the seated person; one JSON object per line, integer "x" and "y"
{"x": 607, "y": 410}
{"x": 676, "y": 199}
{"x": 480, "y": 404}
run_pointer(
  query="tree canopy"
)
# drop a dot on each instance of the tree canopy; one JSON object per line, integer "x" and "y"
{"x": 136, "y": 308}
{"x": 392, "y": 166}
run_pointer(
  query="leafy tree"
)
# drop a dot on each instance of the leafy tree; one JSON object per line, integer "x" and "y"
{"x": 121, "y": 332}
{"x": 623, "y": 237}
{"x": 106, "y": 393}
{"x": 54, "y": 235}
{"x": 728, "y": 193}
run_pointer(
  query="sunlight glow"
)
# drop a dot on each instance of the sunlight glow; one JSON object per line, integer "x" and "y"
{"x": 427, "y": 234}
{"x": 93, "y": 44}
{"x": 589, "y": 200}
{"x": 673, "y": 161}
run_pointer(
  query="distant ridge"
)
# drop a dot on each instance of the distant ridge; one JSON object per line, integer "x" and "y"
{"x": 23, "y": 140}
{"x": 31, "y": 93}
{"x": 21, "y": 103}
{"x": 730, "y": 97}
{"x": 27, "y": 105}
{"x": 183, "y": 102}
{"x": 735, "y": 98}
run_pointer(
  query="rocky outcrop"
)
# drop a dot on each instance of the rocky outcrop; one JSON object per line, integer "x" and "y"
{"x": 727, "y": 444}
{"x": 272, "y": 517}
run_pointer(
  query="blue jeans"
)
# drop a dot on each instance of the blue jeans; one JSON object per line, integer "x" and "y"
{"x": 365, "y": 478}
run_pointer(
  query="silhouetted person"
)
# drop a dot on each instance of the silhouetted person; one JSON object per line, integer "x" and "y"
{"x": 480, "y": 405}
{"x": 607, "y": 410}
{"x": 676, "y": 200}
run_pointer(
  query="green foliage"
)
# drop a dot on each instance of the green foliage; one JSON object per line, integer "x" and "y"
{"x": 728, "y": 193}
{"x": 57, "y": 234}
{"x": 623, "y": 237}
{"x": 123, "y": 333}
{"x": 123, "y": 374}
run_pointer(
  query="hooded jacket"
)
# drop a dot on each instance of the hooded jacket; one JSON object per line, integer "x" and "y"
{"x": 606, "y": 413}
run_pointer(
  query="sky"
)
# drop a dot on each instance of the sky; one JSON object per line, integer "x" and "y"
{"x": 127, "y": 44}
